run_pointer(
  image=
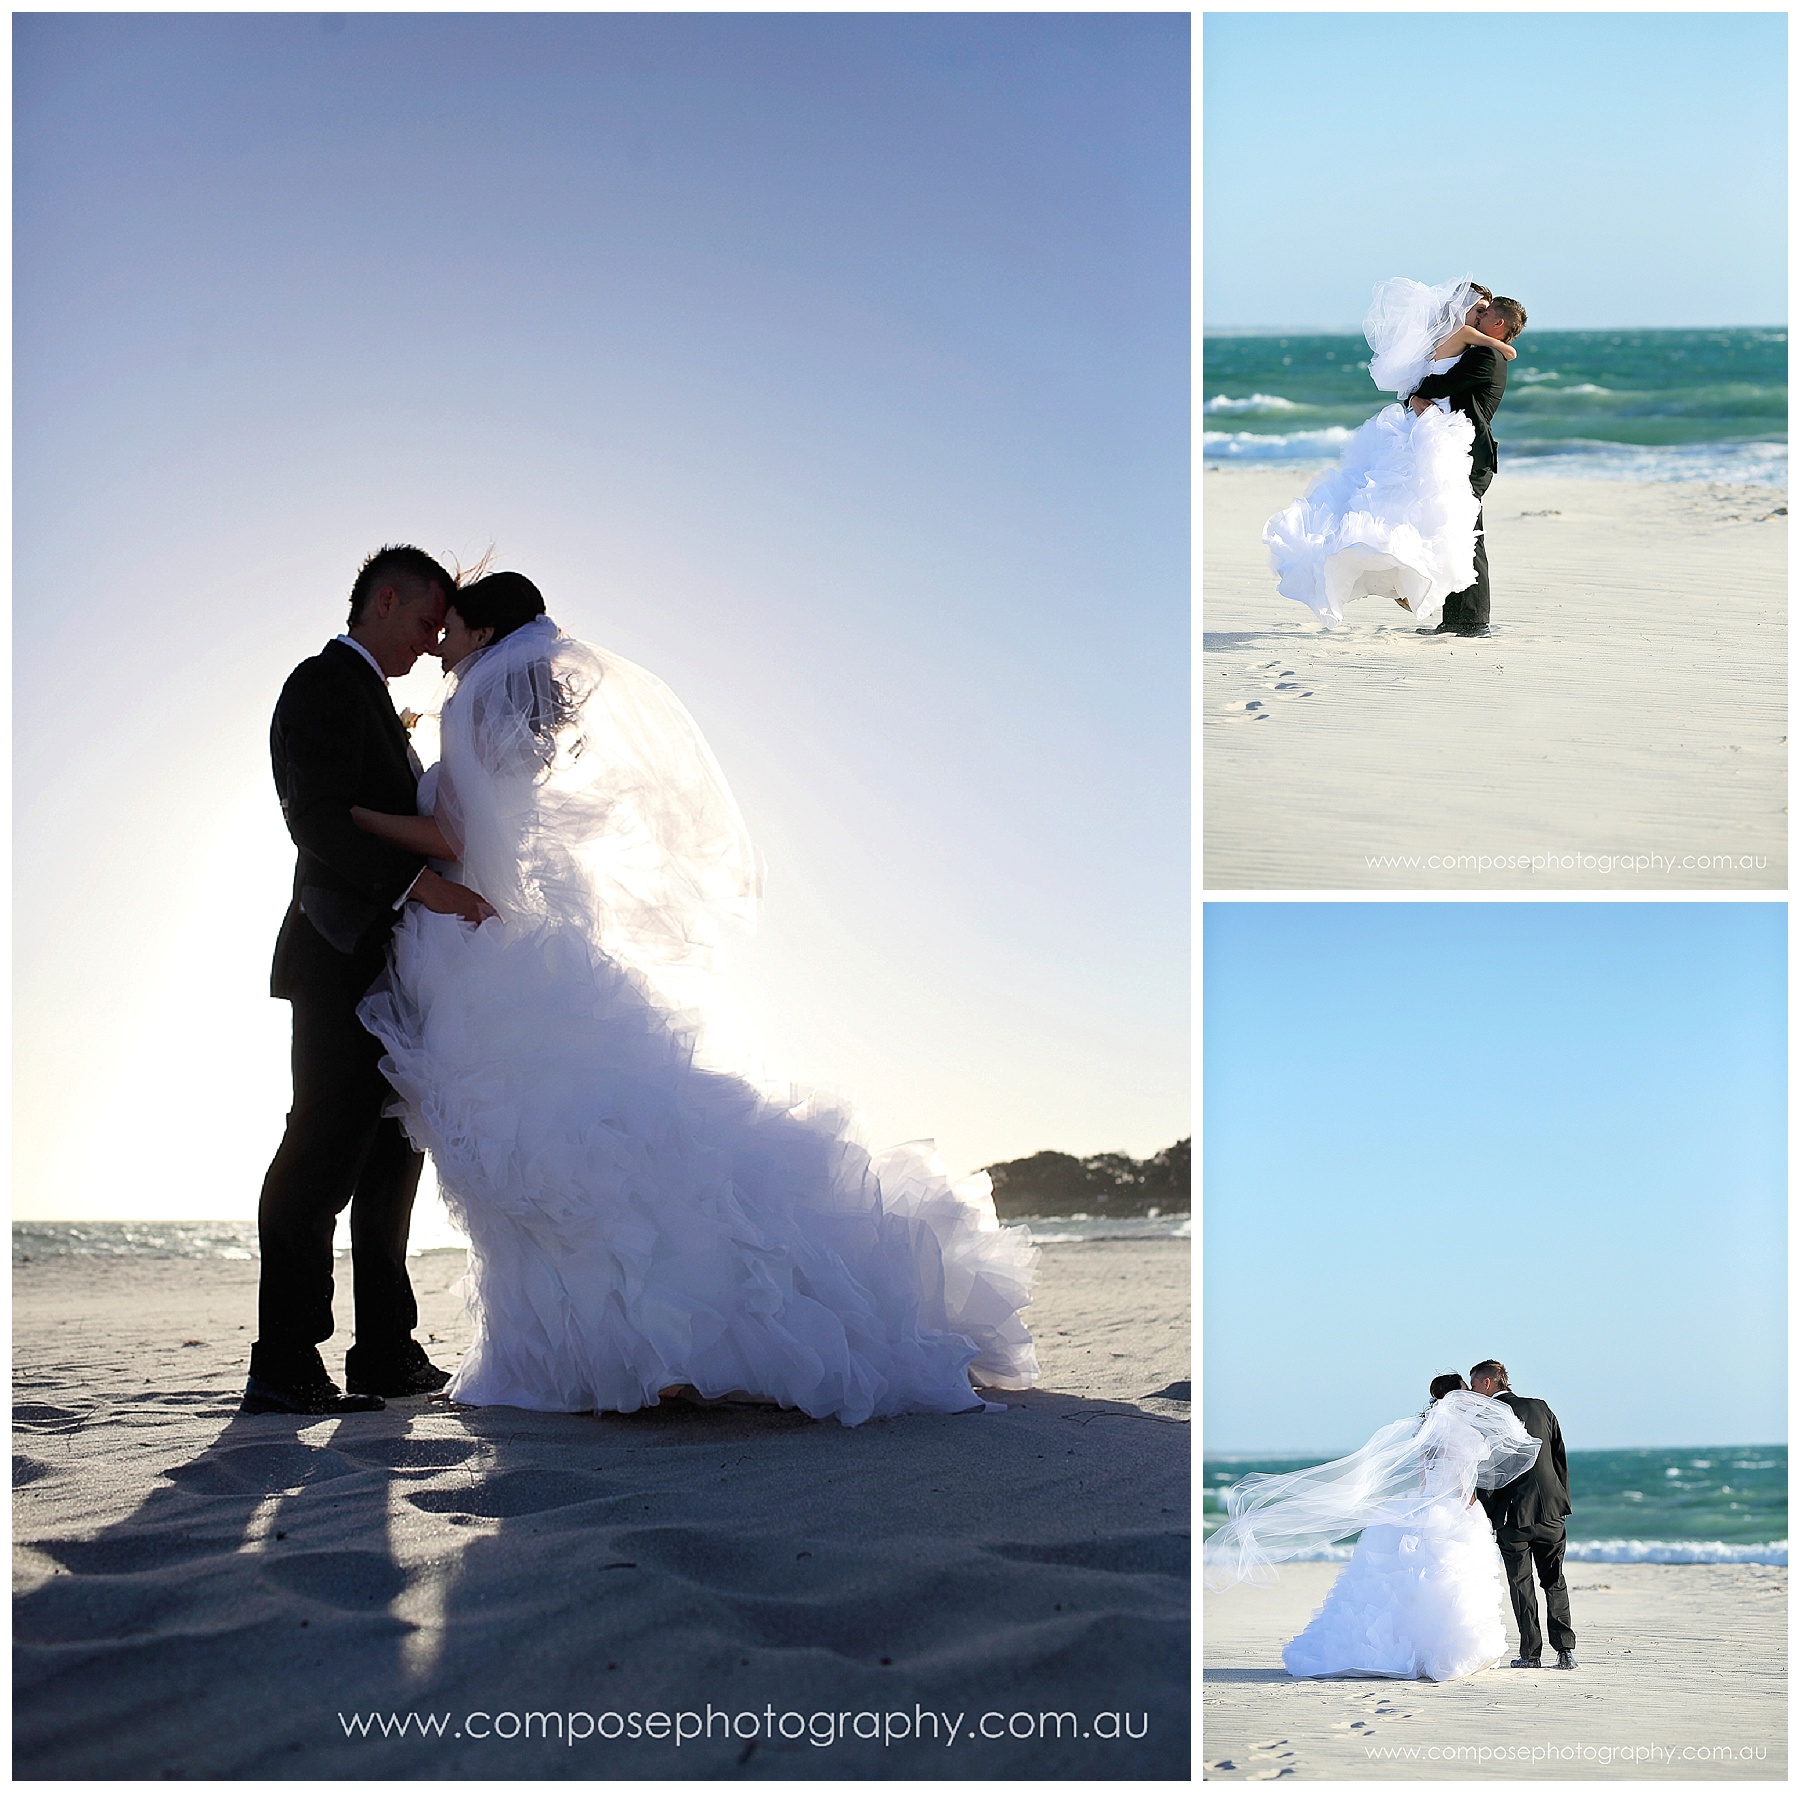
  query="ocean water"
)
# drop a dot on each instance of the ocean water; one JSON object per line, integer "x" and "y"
{"x": 34, "y": 1240}
{"x": 1720, "y": 1504}
{"x": 1604, "y": 404}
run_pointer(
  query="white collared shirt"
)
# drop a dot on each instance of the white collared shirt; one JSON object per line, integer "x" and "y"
{"x": 350, "y": 642}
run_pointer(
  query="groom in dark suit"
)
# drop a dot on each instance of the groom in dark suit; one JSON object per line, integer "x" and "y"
{"x": 1475, "y": 386}
{"x": 1527, "y": 1516}
{"x": 336, "y": 742}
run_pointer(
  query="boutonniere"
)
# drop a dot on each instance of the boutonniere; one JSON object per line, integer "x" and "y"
{"x": 410, "y": 719}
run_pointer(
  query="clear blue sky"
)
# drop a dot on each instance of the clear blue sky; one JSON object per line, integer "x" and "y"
{"x": 1604, "y": 168}
{"x": 832, "y": 366}
{"x": 1552, "y": 1133}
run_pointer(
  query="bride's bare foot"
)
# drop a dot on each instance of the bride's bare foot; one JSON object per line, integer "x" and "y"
{"x": 1403, "y": 604}
{"x": 687, "y": 1393}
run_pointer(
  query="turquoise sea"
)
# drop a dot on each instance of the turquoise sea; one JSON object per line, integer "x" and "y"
{"x": 1608, "y": 404}
{"x": 1717, "y": 1504}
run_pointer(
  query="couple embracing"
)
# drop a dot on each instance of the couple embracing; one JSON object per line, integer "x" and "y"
{"x": 1400, "y": 515}
{"x": 1441, "y": 1501}
{"x": 504, "y": 960}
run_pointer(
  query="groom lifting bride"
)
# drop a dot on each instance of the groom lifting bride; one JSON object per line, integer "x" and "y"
{"x": 1475, "y": 386}
{"x": 1400, "y": 514}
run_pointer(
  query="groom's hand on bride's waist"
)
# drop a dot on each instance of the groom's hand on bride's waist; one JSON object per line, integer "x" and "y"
{"x": 1419, "y": 405}
{"x": 444, "y": 897}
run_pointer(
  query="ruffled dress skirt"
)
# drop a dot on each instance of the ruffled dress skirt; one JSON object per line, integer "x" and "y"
{"x": 637, "y": 1220}
{"x": 1421, "y": 1598}
{"x": 1394, "y": 519}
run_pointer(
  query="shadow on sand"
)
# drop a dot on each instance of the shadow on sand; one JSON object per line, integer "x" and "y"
{"x": 296, "y": 1577}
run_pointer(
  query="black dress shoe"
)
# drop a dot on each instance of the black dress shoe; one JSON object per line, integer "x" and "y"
{"x": 400, "y": 1372}
{"x": 1527, "y": 1662}
{"x": 1565, "y": 1658}
{"x": 262, "y": 1396}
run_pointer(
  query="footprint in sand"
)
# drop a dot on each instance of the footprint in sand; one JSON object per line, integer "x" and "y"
{"x": 277, "y": 1466}
{"x": 27, "y": 1470}
{"x": 417, "y": 1454}
{"x": 1252, "y": 1770}
{"x": 1272, "y": 1760}
{"x": 1281, "y": 683}
{"x": 514, "y": 1494}
{"x": 1286, "y": 683}
{"x": 350, "y": 1580}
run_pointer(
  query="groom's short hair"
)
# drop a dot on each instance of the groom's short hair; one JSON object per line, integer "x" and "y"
{"x": 1491, "y": 1366}
{"x": 399, "y": 561}
{"x": 1512, "y": 311}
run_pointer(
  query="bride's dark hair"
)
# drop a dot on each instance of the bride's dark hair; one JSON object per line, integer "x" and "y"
{"x": 498, "y": 601}
{"x": 1443, "y": 1385}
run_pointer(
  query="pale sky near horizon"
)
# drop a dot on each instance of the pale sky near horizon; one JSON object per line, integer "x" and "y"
{"x": 1605, "y": 169}
{"x": 1552, "y": 1133}
{"x": 832, "y": 366}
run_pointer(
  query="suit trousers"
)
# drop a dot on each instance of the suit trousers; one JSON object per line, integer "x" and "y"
{"x": 338, "y": 1151}
{"x": 1542, "y": 1545}
{"x": 1468, "y": 608}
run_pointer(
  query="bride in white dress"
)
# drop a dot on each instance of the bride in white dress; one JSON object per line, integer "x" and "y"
{"x": 1396, "y": 517}
{"x": 1423, "y": 1593}
{"x": 643, "y": 1223}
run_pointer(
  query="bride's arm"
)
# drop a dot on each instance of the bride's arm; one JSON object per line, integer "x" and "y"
{"x": 417, "y": 834}
{"x": 1466, "y": 336}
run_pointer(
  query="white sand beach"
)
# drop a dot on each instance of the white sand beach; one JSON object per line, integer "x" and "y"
{"x": 201, "y": 1594}
{"x": 1682, "y": 1676}
{"x": 1623, "y": 728}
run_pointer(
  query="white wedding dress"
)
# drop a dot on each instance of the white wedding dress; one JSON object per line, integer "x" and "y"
{"x": 637, "y": 1217}
{"x": 1424, "y": 1592}
{"x": 1396, "y": 517}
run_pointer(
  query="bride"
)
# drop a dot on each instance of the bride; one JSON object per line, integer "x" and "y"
{"x": 643, "y": 1223}
{"x": 1422, "y": 1595}
{"x": 1396, "y": 517}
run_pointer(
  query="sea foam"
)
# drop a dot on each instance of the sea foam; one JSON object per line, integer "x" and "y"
{"x": 1687, "y": 1550}
{"x": 1302, "y": 445}
{"x": 1258, "y": 403}
{"x": 1623, "y": 1551}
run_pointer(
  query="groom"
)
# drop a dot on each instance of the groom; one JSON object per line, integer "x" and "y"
{"x": 336, "y": 742}
{"x": 1475, "y": 386}
{"x": 1527, "y": 1516}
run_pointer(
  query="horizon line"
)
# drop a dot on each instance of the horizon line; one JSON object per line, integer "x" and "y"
{"x": 1540, "y": 329}
{"x": 1206, "y": 1456}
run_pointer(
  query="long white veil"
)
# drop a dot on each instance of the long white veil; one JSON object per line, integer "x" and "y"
{"x": 1406, "y": 320}
{"x": 1460, "y": 1443}
{"x": 578, "y": 789}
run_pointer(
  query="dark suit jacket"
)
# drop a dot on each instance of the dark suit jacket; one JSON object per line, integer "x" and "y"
{"x": 336, "y": 741}
{"x": 1474, "y": 386}
{"x": 1541, "y": 1495}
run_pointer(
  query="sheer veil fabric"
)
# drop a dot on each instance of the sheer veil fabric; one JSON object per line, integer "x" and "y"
{"x": 1396, "y": 517}
{"x": 1461, "y": 1443}
{"x": 638, "y": 1215}
{"x": 1406, "y": 320}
